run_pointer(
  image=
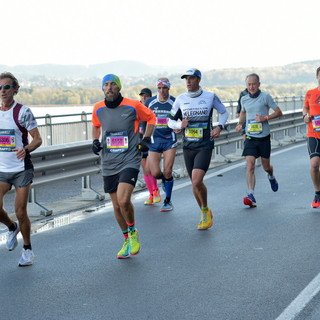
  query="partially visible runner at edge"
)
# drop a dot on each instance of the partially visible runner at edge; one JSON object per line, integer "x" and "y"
{"x": 163, "y": 142}
{"x": 116, "y": 121}
{"x": 311, "y": 116}
{"x": 194, "y": 108}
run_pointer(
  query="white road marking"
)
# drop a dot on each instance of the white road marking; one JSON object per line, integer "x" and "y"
{"x": 302, "y": 300}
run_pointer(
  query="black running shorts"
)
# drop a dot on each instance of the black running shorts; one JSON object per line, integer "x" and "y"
{"x": 257, "y": 147}
{"x": 197, "y": 159}
{"x": 128, "y": 175}
{"x": 313, "y": 147}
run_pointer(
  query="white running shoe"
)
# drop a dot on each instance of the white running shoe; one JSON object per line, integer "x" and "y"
{"x": 27, "y": 258}
{"x": 12, "y": 241}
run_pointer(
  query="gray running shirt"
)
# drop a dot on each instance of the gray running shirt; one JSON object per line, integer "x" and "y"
{"x": 120, "y": 134}
{"x": 257, "y": 106}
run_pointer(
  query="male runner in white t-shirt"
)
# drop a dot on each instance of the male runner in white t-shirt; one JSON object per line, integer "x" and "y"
{"x": 16, "y": 169}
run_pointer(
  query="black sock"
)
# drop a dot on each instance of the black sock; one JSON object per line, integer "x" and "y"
{"x": 27, "y": 246}
{"x": 13, "y": 227}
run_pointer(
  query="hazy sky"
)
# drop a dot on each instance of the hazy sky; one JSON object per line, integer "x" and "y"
{"x": 199, "y": 33}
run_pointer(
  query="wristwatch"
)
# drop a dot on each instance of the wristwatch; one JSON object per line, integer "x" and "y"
{"x": 220, "y": 126}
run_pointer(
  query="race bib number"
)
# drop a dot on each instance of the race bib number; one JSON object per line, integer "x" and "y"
{"x": 316, "y": 123}
{"x": 254, "y": 127}
{"x": 161, "y": 123}
{"x": 117, "y": 142}
{"x": 7, "y": 140}
{"x": 194, "y": 132}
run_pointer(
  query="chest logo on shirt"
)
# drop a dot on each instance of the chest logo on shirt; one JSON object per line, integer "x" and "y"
{"x": 195, "y": 112}
{"x": 125, "y": 115}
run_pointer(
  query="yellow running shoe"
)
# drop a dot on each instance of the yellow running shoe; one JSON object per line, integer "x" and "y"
{"x": 149, "y": 201}
{"x": 134, "y": 242}
{"x": 125, "y": 250}
{"x": 156, "y": 196}
{"x": 206, "y": 220}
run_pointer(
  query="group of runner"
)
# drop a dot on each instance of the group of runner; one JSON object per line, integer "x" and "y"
{"x": 129, "y": 133}
{"x": 159, "y": 119}
{"x": 118, "y": 121}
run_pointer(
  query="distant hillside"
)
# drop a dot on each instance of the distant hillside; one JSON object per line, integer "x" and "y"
{"x": 121, "y": 68}
{"x": 295, "y": 73}
{"x": 134, "y": 73}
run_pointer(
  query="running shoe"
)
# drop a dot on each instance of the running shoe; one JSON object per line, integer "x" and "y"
{"x": 134, "y": 242}
{"x": 274, "y": 184}
{"x": 206, "y": 220}
{"x": 316, "y": 201}
{"x": 149, "y": 201}
{"x": 27, "y": 258}
{"x": 12, "y": 241}
{"x": 250, "y": 201}
{"x": 167, "y": 206}
{"x": 156, "y": 196}
{"x": 124, "y": 253}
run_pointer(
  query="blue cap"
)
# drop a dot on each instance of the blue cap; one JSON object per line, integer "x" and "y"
{"x": 113, "y": 78}
{"x": 192, "y": 72}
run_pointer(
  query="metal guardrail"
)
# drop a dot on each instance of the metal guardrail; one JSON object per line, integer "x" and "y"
{"x": 66, "y": 128}
{"x": 61, "y": 162}
{"x": 289, "y": 128}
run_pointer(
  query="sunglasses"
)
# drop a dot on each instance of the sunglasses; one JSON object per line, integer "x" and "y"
{"x": 6, "y": 87}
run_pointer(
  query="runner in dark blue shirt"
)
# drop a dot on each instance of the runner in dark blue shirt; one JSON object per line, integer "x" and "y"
{"x": 163, "y": 140}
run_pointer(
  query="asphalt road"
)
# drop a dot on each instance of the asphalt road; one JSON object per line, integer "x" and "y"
{"x": 251, "y": 265}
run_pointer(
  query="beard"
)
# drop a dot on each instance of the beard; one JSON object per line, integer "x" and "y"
{"x": 111, "y": 97}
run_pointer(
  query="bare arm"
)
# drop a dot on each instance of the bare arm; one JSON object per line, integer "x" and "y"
{"x": 242, "y": 119}
{"x": 276, "y": 114}
{"x": 306, "y": 114}
{"x": 36, "y": 140}
{"x": 33, "y": 145}
{"x": 149, "y": 130}
{"x": 96, "y": 132}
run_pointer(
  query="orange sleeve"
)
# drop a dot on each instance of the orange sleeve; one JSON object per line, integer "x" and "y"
{"x": 95, "y": 120}
{"x": 145, "y": 114}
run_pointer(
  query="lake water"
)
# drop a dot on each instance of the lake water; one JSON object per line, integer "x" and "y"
{"x": 40, "y": 112}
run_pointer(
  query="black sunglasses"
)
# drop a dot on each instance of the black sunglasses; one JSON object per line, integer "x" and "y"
{"x": 6, "y": 87}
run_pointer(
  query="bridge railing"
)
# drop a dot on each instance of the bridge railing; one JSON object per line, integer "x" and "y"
{"x": 75, "y": 159}
{"x": 60, "y": 129}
